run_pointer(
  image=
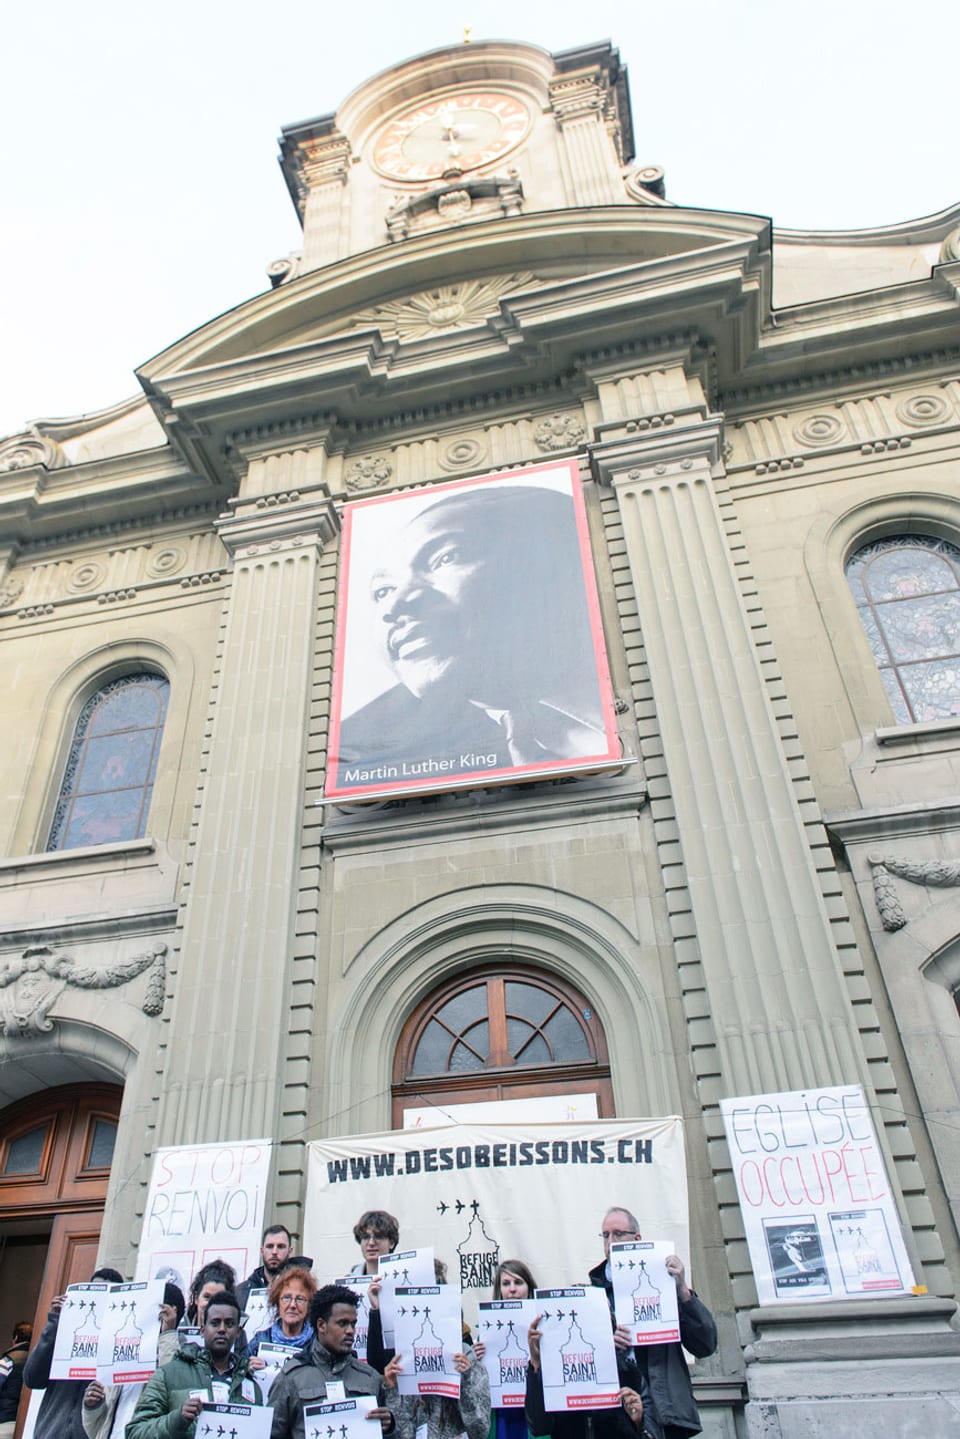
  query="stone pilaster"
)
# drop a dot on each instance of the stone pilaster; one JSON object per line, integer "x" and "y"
{"x": 582, "y": 106}
{"x": 238, "y": 923}
{"x": 776, "y": 993}
{"x": 325, "y": 170}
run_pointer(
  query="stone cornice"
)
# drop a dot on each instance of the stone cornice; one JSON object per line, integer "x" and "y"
{"x": 37, "y": 504}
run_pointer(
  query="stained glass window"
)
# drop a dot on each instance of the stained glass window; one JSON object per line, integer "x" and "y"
{"x": 108, "y": 781}
{"x": 907, "y": 591}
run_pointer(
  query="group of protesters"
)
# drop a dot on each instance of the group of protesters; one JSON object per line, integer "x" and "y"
{"x": 205, "y": 1356}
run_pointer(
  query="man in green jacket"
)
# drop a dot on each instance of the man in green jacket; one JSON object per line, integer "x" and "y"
{"x": 171, "y": 1402}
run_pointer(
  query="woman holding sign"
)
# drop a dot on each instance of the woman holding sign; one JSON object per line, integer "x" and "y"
{"x": 513, "y": 1280}
{"x": 290, "y": 1295}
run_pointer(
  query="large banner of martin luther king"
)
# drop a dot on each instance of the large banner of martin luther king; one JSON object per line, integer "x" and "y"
{"x": 469, "y": 644}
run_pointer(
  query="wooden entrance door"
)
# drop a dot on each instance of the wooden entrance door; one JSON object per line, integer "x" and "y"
{"x": 55, "y": 1154}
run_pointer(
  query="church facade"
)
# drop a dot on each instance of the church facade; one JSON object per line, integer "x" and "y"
{"x": 753, "y": 889}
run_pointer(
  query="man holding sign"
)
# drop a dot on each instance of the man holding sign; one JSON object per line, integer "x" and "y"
{"x": 328, "y": 1370}
{"x": 663, "y": 1365}
{"x": 173, "y": 1399}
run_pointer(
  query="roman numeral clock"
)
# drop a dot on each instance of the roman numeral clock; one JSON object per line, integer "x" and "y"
{"x": 444, "y": 137}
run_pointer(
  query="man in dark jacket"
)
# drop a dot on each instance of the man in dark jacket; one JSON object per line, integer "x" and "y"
{"x": 276, "y": 1252}
{"x": 11, "y": 1377}
{"x": 171, "y": 1401}
{"x": 60, "y": 1415}
{"x": 330, "y": 1358}
{"x": 664, "y": 1366}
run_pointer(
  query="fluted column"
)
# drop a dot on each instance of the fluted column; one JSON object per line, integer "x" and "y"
{"x": 325, "y": 171}
{"x": 581, "y": 104}
{"x": 229, "y": 1020}
{"x": 777, "y": 998}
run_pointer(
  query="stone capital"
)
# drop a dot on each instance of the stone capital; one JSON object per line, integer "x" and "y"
{"x": 637, "y": 450}
{"x": 282, "y": 521}
{"x": 579, "y": 96}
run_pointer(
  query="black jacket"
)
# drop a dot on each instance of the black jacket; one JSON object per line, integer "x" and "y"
{"x": 592, "y": 1423}
{"x": 668, "y": 1374}
{"x": 11, "y": 1380}
{"x": 60, "y": 1414}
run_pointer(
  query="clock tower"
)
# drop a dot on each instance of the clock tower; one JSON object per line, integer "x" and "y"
{"x": 462, "y": 135}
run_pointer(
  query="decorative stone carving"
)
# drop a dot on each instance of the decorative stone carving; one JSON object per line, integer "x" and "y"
{"x": 647, "y": 185}
{"x": 448, "y": 307}
{"x": 577, "y": 97}
{"x": 288, "y": 268}
{"x": 31, "y": 985}
{"x": 10, "y": 593}
{"x": 368, "y": 473}
{"x": 936, "y": 873}
{"x": 923, "y": 410}
{"x": 480, "y": 198}
{"x": 950, "y": 249}
{"x": 460, "y": 454}
{"x": 818, "y": 430}
{"x": 86, "y": 576}
{"x": 31, "y": 448}
{"x": 168, "y": 561}
{"x": 559, "y": 432}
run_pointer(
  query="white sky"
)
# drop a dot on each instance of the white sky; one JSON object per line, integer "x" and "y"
{"x": 141, "y": 193}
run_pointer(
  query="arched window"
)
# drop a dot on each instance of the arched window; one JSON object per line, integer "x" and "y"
{"x": 108, "y": 780}
{"x": 907, "y": 590}
{"x": 502, "y": 1032}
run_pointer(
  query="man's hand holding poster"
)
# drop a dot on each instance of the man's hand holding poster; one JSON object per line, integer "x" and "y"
{"x": 429, "y": 1333}
{"x": 577, "y": 1358}
{"x": 645, "y": 1294}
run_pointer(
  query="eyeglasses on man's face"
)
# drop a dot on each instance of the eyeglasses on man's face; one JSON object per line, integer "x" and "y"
{"x": 616, "y": 1235}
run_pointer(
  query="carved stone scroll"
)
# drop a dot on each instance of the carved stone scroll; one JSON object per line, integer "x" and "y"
{"x": 31, "y": 984}
{"x": 935, "y": 873}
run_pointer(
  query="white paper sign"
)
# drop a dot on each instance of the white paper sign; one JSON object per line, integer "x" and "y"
{"x": 274, "y": 1357}
{"x": 340, "y": 1419}
{"x": 502, "y": 1328}
{"x": 130, "y": 1333}
{"x": 429, "y": 1332}
{"x": 645, "y": 1295}
{"x": 258, "y": 1313}
{"x": 577, "y": 1359}
{"x": 819, "y": 1215}
{"x": 360, "y": 1284}
{"x": 205, "y": 1201}
{"x": 411, "y": 1266}
{"x": 233, "y": 1421}
{"x": 78, "y": 1332}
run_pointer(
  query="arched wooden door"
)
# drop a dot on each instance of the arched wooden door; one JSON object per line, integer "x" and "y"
{"x": 504, "y": 1031}
{"x": 55, "y": 1153}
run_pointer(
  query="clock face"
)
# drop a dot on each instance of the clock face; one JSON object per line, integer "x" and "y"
{"x": 448, "y": 136}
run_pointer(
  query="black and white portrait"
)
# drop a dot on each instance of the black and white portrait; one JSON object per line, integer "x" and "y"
{"x": 468, "y": 638}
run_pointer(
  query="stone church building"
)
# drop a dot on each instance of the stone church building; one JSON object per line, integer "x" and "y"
{"x": 756, "y": 890}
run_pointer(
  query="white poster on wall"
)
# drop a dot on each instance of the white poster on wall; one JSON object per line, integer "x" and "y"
{"x": 819, "y": 1214}
{"x": 205, "y": 1201}
{"x": 480, "y": 1194}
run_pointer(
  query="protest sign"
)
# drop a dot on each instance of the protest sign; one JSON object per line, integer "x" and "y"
{"x": 410, "y": 1266}
{"x": 429, "y": 1332}
{"x": 205, "y": 1201}
{"x": 502, "y": 1329}
{"x": 645, "y": 1295}
{"x": 819, "y": 1214}
{"x": 340, "y": 1419}
{"x": 235, "y": 1421}
{"x": 274, "y": 1357}
{"x": 360, "y": 1284}
{"x": 577, "y": 1358}
{"x": 127, "y": 1353}
{"x": 481, "y": 1193}
{"x": 78, "y": 1332}
{"x": 258, "y": 1313}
